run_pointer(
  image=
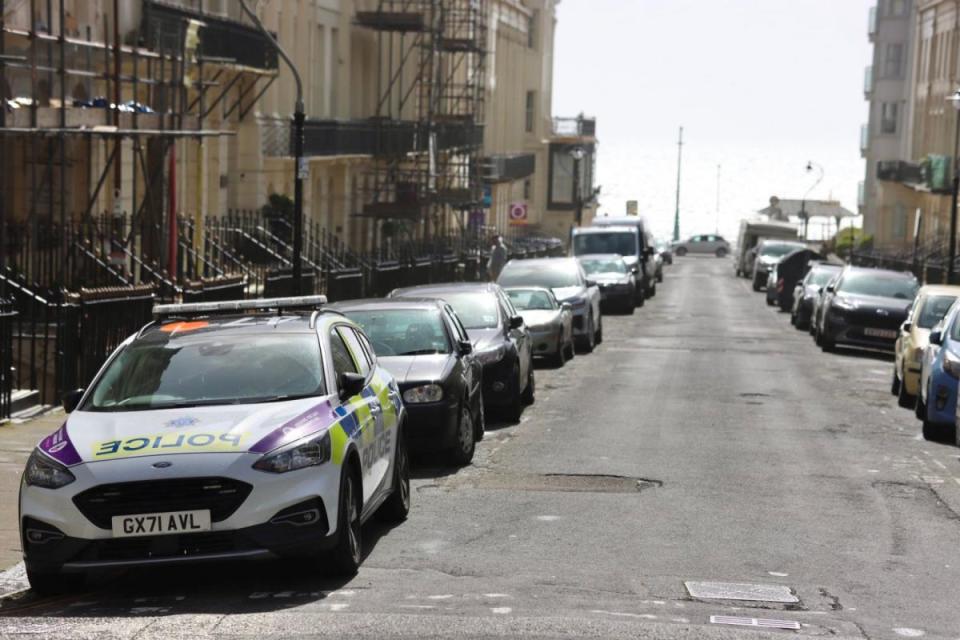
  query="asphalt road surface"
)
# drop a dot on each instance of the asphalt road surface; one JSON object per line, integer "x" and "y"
{"x": 704, "y": 441}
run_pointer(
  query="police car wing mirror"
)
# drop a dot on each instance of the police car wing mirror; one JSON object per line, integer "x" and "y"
{"x": 351, "y": 384}
{"x": 71, "y": 399}
{"x": 936, "y": 337}
{"x": 466, "y": 347}
{"x": 516, "y": 322}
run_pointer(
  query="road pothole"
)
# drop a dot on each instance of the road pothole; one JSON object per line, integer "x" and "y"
{"x": 559, "y": 482}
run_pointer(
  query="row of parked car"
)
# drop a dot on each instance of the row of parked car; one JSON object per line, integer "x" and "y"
{"x": 877, "y": 309}
{"x": 460, "y": 350}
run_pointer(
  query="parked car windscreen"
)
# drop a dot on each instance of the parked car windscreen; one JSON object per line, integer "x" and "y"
{"x": 883, "y": 286}
{"x": 603, "y": 265}
{"x": 403, "y": 332}
{"x": 531, "y": 300}
{"x": 622, "y": 242}
{"x": 933, "y": 311}
{"x": 777, "y": 249}
{"x": 476, "y": 310}
{"x": 210, "y": 369}
{"x": 539, "y": 274}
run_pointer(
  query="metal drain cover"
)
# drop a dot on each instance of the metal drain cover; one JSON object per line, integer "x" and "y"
{"x": 741, "y": 591}
{"x": 765, "y": 623}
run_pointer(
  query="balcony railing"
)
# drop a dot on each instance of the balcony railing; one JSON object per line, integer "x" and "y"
{"x": 872, "y": 23}
{"x": 505, "y": 168}
{"x": 868, "y": 81}
{"x": 382, "y": 137}
{"x": 864, "y": 139}
{"x": 578, "y": 127}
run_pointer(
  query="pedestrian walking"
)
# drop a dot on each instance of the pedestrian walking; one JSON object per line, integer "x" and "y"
{"x": 498, "y": 258}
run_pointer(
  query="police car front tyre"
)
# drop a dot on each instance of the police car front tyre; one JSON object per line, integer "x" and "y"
{"x": 397, "y": 506}
{"x": 344, "y": 559}
{"x": 51, "y": 583}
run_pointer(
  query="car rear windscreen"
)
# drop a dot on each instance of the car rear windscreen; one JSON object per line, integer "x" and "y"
{"x": 403, "y": 332}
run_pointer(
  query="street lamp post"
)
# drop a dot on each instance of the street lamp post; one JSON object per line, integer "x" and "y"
{"x": 952, "y": 249}
{"x": 300, "y": 166}
{"x": 803, "y": 203}
{"x": 577, "y": 154}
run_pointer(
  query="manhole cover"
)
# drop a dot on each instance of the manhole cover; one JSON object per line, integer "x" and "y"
{"x": 766, "y": 623}
{"x": 741, "y": 591}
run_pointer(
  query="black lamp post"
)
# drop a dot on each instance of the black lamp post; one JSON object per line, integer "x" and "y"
{"x": 300, "y": 170}
{"x": 803, "y": 203}
{"x": 577, "y": 154}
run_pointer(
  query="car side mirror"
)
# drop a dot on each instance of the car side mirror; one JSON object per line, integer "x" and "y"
{"x": 566, "y": 306}
{"x": 351, "y": 384}
{"x": 936, "y": 337}
{"x": 71, "y": 399}
{"x": 465, "y": 347}
{"x": 648, "y": 251}
{"x": 831, "y": 288}
{"x": 516, "y": 322}
{"x": 590, "y": 283}
{"x": 906, "y": 326}
{"x": 635, "y": 269}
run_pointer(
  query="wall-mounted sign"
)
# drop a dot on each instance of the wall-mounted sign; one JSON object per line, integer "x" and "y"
{"x": 518, "y": 213}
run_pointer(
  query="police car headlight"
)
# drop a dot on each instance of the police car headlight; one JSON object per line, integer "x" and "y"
{"x": 45, "y": 472}
{"x": 423, "y": 393}
{"x": 491, "y": 356}
{"x": 308, "y": 453}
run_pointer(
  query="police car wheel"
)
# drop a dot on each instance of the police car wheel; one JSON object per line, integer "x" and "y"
{"x": 48, "y": 583}
{"x": 397, "y": 506}
{"x": 462, "y": 452}
{"x": 344, "y": 559}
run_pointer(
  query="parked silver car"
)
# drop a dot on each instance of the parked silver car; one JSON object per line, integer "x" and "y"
{"x": 549, "y": 321}
{"x": 565, "y": 277}
{"x": 705, "y": 244}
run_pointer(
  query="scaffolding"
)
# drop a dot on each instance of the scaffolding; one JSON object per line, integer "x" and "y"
{"x": 431, "y": 86}
{"x": 88, "y": 124}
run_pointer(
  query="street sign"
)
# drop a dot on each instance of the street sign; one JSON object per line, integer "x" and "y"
{"x": 518, "y": 213}
{"x": 632, "y": 208}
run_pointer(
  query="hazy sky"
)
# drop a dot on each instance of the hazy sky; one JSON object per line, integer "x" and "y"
{"x": 760, "y": 87}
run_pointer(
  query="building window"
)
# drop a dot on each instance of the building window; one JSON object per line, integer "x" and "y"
{"x": 532, "y": 30}
{"x": 899, "y": 222}
{"x": 889, "y": 112}
{"x": 526, "y": 189}
{"x": 531, "y": 98}
{"x": 893, "y": 60}
{"x": 896, "y": 7}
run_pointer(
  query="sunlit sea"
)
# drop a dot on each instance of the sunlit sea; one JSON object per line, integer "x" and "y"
{"x": 749, "y": 176}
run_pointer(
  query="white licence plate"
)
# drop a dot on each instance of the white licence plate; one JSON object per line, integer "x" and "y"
{"x": 880, "y": 333}
{"x": 154, "y": 524}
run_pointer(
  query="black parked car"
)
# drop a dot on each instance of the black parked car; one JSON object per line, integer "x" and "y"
{"x": 806, "y": 292}
{"x": 425, "y": 347}
{"x": 865, "y": 307}
{"x": 500, "y": 340}
{"x": 786, "y": 274}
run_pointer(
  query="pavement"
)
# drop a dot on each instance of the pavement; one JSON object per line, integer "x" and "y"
{"x": 706, "y": 465}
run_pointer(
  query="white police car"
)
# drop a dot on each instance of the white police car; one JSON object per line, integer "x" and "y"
{"x": 216, "y": 434}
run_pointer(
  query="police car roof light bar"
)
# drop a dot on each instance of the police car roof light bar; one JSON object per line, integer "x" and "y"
{"x": 232, "y": 306}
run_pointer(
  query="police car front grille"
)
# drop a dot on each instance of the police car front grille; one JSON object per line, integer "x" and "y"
{"x": 222, "y": 496}
{"x": 157, "y": 547}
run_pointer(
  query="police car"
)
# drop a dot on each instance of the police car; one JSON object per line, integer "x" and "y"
{"x": 246, "y": 429}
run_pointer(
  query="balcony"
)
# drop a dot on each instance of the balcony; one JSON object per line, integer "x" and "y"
{"x": 507, "y": 168}
{"x": 899, "y": 171}
{"x": 868, "y": 81}
{"x": 864, "y": 140}
{"x": 578, "y": 127}
{"x": 872, "y": 23}
{"x": 382, "y": 137}
{"x": 223, "y": 40}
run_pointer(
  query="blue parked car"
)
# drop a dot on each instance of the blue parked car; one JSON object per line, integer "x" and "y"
{"x": 939, "y": 375}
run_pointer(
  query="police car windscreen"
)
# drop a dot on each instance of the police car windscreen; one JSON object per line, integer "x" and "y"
{"x": 210, "y": 369}
{"x": 620, "y": 242}
{"x": 403, "y": 332}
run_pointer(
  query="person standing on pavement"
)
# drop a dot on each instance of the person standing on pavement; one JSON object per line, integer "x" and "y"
{"x": 498, "y": 258}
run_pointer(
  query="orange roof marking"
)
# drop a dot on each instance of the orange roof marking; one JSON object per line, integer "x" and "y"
{"x": 184, "y": 326}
